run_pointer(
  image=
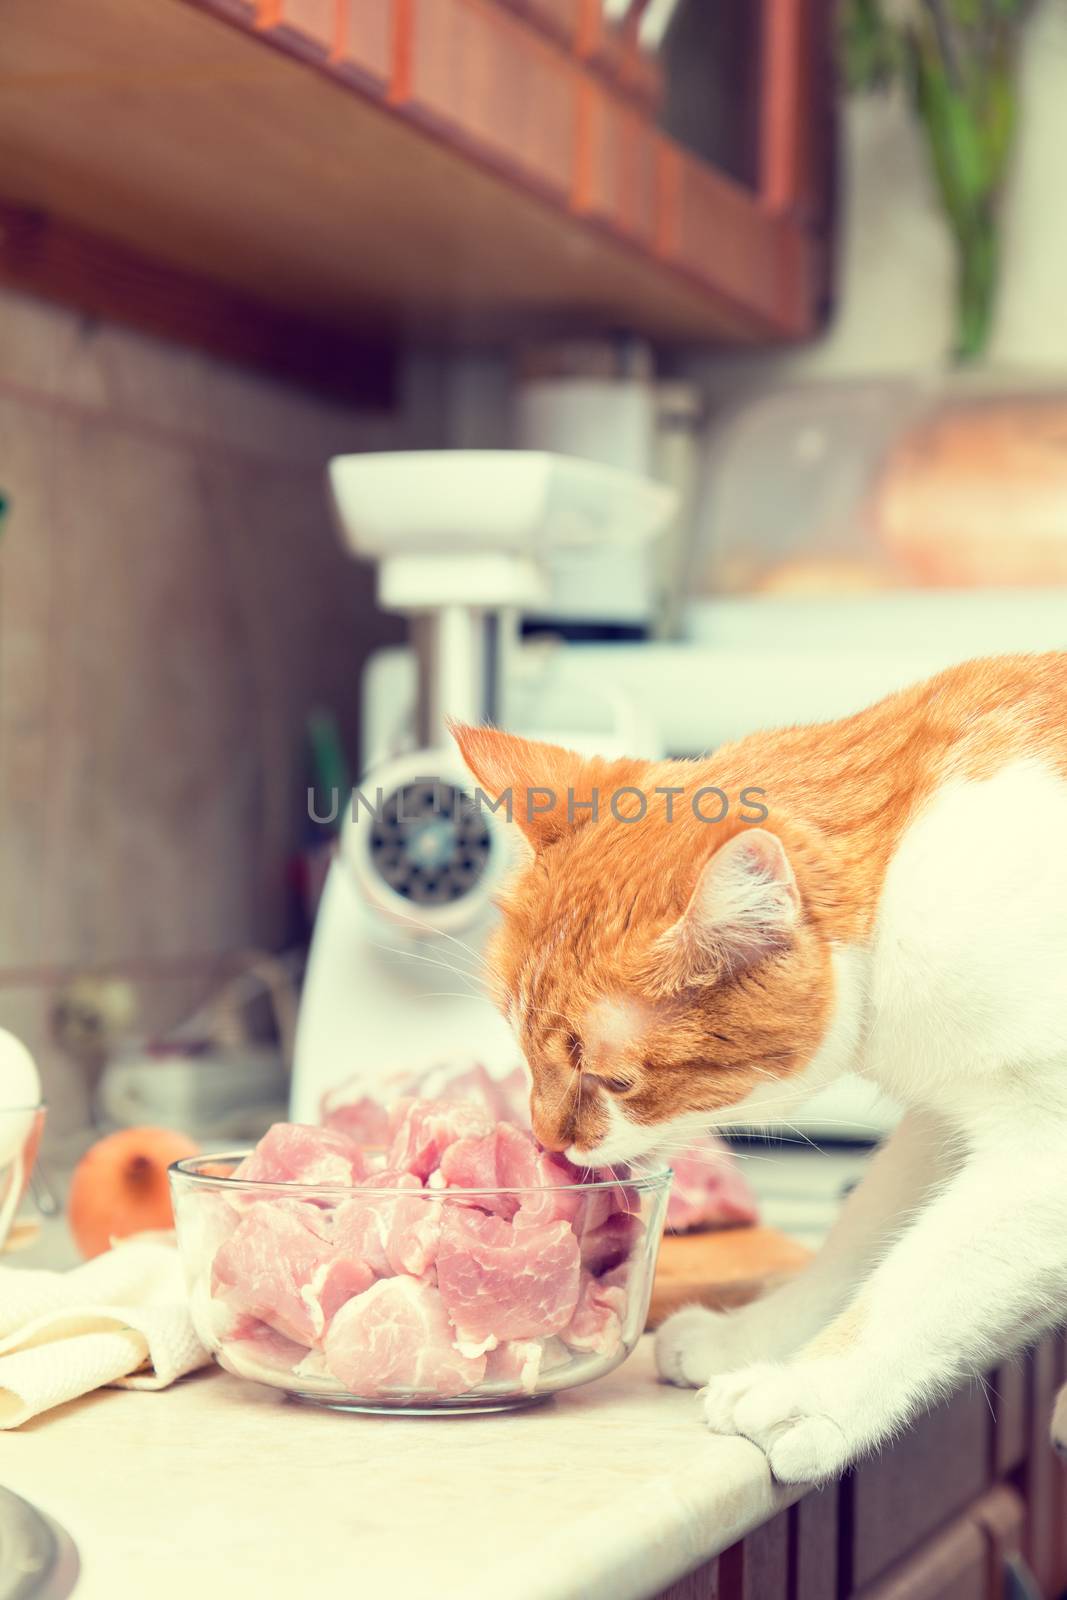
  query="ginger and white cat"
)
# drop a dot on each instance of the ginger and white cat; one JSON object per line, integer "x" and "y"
{"x": 900, "y": 910}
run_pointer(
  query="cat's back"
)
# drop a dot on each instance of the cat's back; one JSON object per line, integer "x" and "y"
{"x": 970, "y": 939}
{"x": 967, "y": 754}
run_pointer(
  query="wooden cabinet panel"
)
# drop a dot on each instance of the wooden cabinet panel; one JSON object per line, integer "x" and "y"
{"x": 758, "y": 1567}
{"x": 1001, "y": 1515}
{"x": 703, "y": 1584}
{"x": 366, "y": 41}
{"x": 233, "y": 10}
{"x": 814, "y": 1544}
{"x": 307, "y": 27}
{"x": 954, "y": 1565}
{"x": 637, "y": 154}
{"x": 598, "y": 41}
{"x": 598, "y": 176}
{"x": 965, "y": 1561}
{"x": 615, "y": 176}
{"x": 901, "y": 1496}
{"x": 558, "y": 17}
{"x": 1046, "y": 1486}
{"x": 480, "y": 73}
{"x": 707, "y": 225}
{"x": 1007, "y": 1393}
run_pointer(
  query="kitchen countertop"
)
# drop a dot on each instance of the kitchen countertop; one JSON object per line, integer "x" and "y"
{"x": 610, "y": 1492}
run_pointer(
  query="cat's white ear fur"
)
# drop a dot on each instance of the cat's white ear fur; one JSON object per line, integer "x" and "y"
{"x": 744, "y": 907}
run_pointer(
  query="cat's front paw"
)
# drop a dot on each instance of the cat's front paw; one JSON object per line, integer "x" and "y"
{"x": 694, "y": 1344}
{"x": 791, "y": 1412}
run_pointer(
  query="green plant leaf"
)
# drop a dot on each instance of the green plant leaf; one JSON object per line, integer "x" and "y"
{"x": 954, "y": 136}
{"x": 869, "y": 49}
{"x": 977, "y": 275}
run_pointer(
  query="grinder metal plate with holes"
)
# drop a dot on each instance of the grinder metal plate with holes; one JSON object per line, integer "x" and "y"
{"x": 429, "y": 842}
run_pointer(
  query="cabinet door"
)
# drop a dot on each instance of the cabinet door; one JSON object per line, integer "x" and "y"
{"x": 954, "y": 1565}
{"x": 758, "y": 1567}
{"x": 968, "y": 1560}
{"x": 1046, "y": 1481}
{"x": 942, "y": 1464}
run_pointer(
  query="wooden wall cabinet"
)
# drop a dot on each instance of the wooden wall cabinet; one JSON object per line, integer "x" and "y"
{"x": 367, "y": 169}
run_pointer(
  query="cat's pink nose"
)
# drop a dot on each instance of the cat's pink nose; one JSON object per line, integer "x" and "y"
{"x": 551, "y": 1138}
{"x": 554, "y": 1144}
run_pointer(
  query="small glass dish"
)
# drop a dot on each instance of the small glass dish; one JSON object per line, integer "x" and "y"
{"x": 420, "y": 1300}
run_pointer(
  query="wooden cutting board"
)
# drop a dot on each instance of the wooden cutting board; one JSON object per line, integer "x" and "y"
{"x": 721, "y": 1269}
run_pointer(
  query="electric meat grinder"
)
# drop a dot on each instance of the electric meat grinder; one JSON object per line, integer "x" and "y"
{"x": 465, "y": 542}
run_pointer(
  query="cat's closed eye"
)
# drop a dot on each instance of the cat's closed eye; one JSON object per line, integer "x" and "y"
{"x": 612, "y": 1085}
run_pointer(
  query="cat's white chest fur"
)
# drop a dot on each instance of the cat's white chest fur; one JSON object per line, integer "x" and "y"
{"x": 967, "y": 970}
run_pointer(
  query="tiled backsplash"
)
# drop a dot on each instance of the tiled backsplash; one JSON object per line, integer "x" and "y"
{"x": 173, "y": 601}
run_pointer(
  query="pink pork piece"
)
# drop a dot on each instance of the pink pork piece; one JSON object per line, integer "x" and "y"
{"x": 607, "y": 1246}
{"x": 278, "y": 1266}
{"x": 361, "y": 1227}
{"x": 425, "y": 1130}
{"x": 500, "y": 1281}
{"x": 507, "y": 1158}
{"x": 256, "y": 1343}
{"x": 389, "y": 1235}
{"x": 559, "y": 1199}
{"x": 598, "y": 1316}
{"x": 516, "y": 1364}
{"x": 397, "y": 1336}
{"x": 295, "y": 1152}
{"x": 709, "y": 1190}
{"x": 365, "y": 1120}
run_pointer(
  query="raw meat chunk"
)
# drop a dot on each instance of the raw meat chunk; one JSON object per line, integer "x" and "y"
{"x": 507, "y": 1158}
{"x": 397, "y": 1336}
{"x": 708, "y": 1190}
{"x": 427, "y": 1128}
{"x": 258, "y": 1345}
{"x": 365, "y": 1120}
{"x": 355, "y": 1105}
{"x": 558, "y": 1200}
{"x": 295, "y": 1152}
{"x": 389, "y": 1235}
{"x": 502, "y": 1282}
{"x": 598, "y": 1316}
{"x": 278, "y": 1267}
{"x": 516, "y": 1364}
{"x": 606, "y": 1247}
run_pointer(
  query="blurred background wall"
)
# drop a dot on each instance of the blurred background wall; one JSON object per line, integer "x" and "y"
{"x": 173, "y": 603}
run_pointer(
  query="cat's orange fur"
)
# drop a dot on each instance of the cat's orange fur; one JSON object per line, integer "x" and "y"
{"x": 592, "y": 957}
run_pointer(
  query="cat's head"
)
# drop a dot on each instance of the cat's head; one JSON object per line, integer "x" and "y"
{"x": 661, "y": 971}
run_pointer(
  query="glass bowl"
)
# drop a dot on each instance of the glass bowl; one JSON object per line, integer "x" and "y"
{"x": 416, "y": 1300}
{"x": 20, "y": 1136}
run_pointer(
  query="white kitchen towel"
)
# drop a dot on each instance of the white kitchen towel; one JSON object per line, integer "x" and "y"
{"x": 121, "y": 1318}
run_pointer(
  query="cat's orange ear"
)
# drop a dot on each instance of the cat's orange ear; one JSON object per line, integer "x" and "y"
{"x": 745, "y": 906}
{"x": 539, "y": 786}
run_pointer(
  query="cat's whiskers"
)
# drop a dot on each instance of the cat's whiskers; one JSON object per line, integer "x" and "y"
{"x": 431, "y": 961}
{"x": 439, "y": 933}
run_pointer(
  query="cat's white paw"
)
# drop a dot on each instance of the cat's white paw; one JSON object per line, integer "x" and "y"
{"x": 694, "y": 1343}
{"x": 790, "y": 1411}
{"x": 684, "y": 1345}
